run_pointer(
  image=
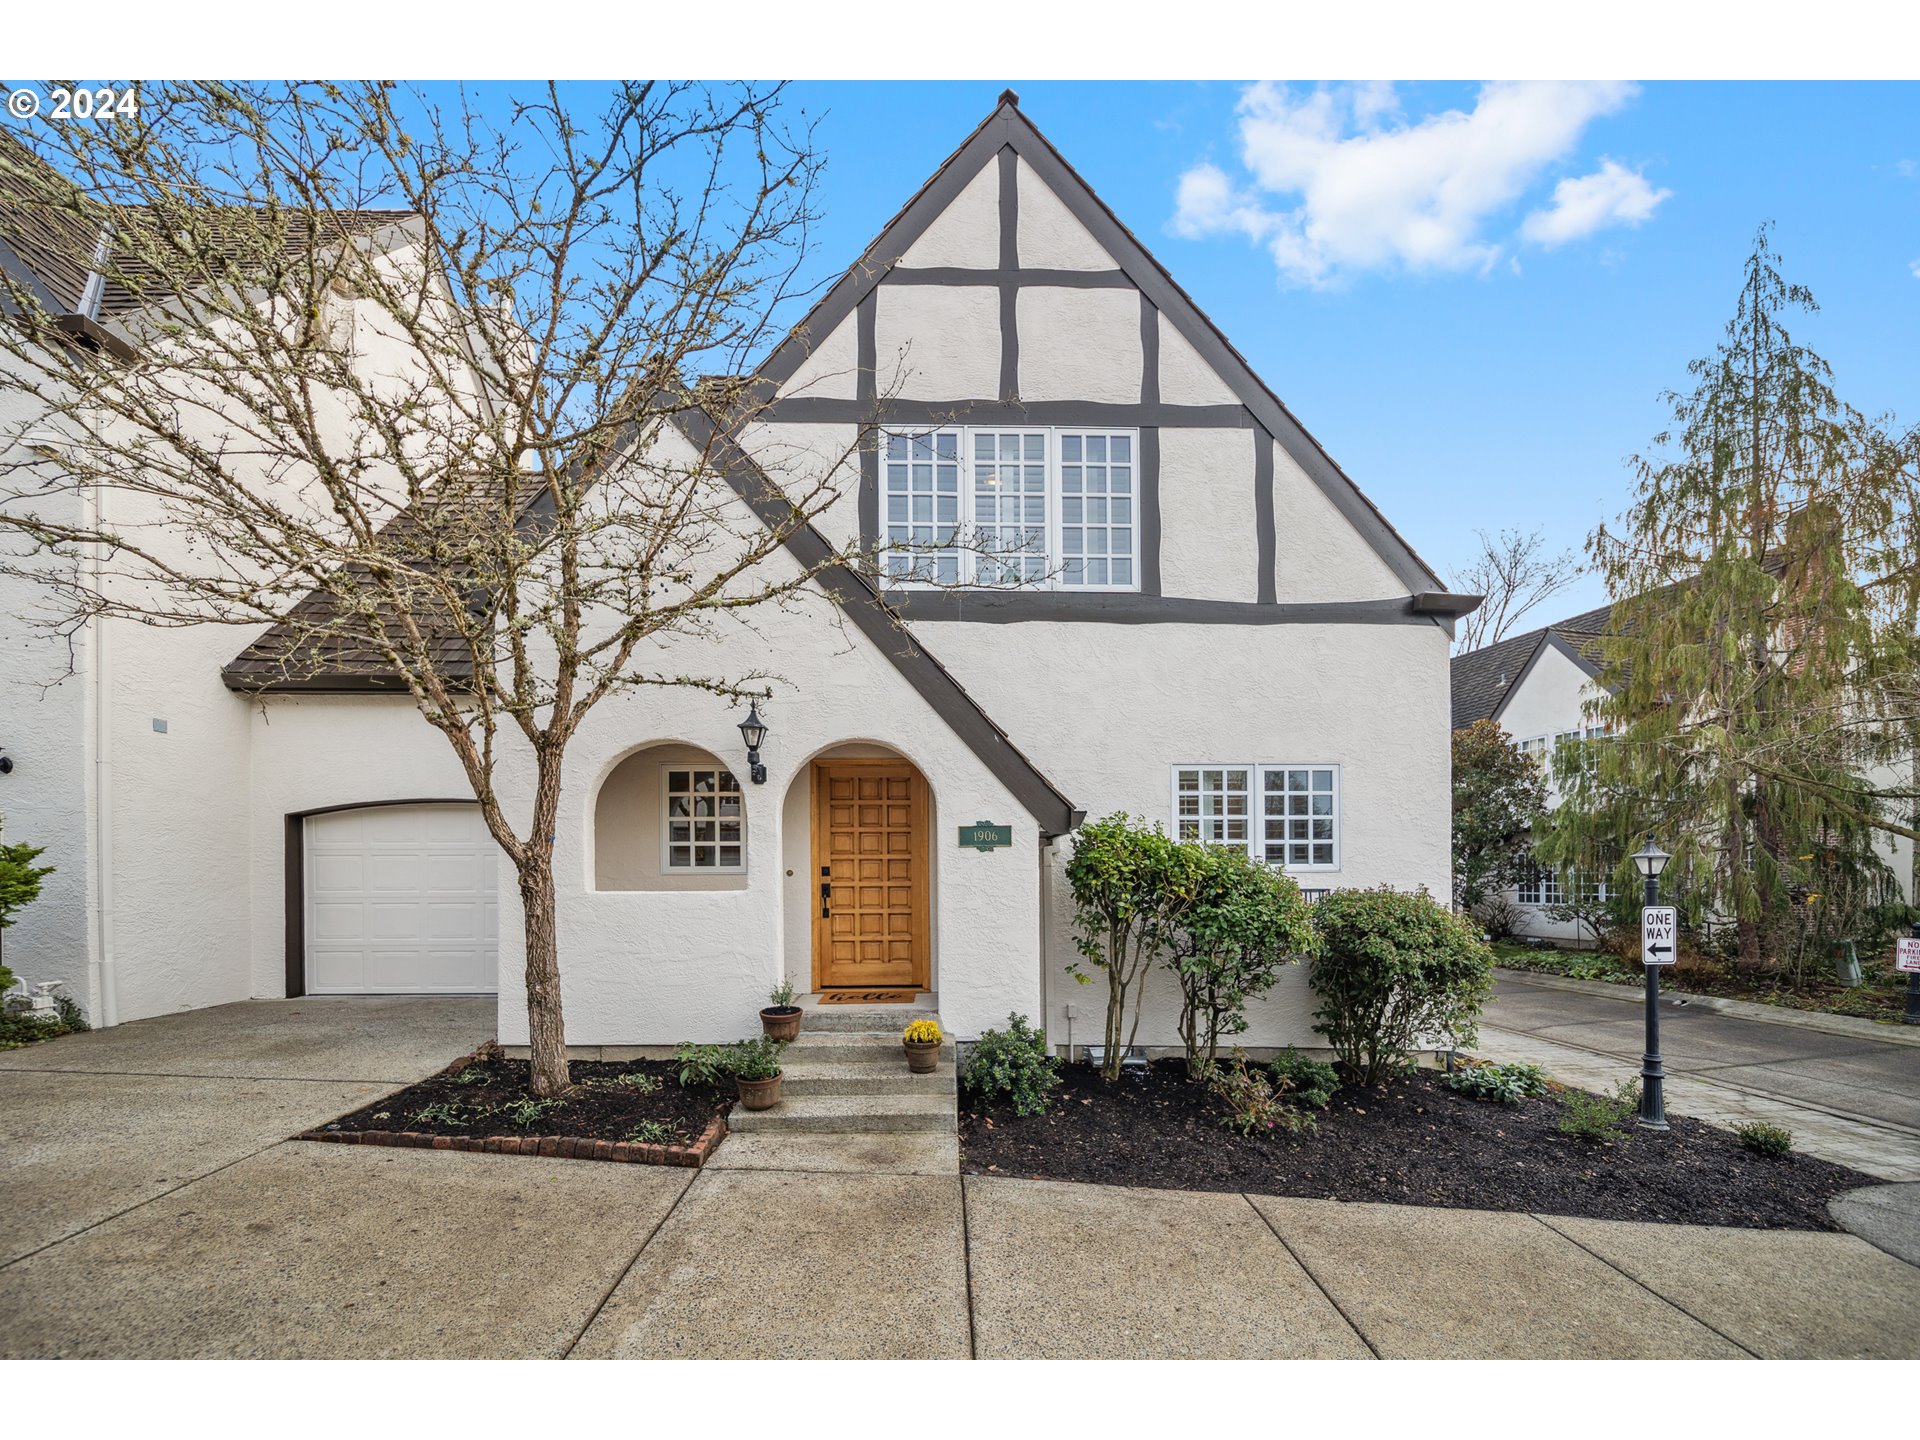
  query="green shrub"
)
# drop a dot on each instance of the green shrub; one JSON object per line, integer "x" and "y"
{"x": 1509, "y": 1084}
{"x": 1307, "y": 1081}
{"x": 702, "y": 1064}
{"x": 781, "y": 996}
{"x": 1395, "y": 971}
{"x": 1765, "y": 1139}
{"x": 1250, "y": 1103}
{"x": 1131, "y": 888}
{"x": 1015, "y": 1064}
{"x": 1242, "y": 924}
{"x": 1586, "y": 1116}
{"x": 17, "y": 1031}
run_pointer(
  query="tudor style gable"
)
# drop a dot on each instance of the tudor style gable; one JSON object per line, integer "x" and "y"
{"x": 1057, "y": 410}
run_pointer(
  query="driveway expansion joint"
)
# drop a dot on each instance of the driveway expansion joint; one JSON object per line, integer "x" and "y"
{"x": 1307, "y": 1270}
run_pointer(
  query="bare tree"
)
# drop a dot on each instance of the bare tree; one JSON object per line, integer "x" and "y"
{"x": 460, "y": 441}
{"x": 1516, "y": 574}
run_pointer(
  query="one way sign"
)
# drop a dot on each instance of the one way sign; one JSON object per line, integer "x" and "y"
{"x": 1658, "y": 926}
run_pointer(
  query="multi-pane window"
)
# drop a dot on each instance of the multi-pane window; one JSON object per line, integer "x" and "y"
{"x": 1544, "y": 885}
{"x": 1212, "y": 805}
{"x": 705, "y": 821}
{"x": 1285, "y": 815}
{"x": 1096, "y": 509}
{"x": 1037, "y": 508}
{"x": 922, "y": 476}
{"x": 1297, "y": 815}
{"x": 1009, "y": 506}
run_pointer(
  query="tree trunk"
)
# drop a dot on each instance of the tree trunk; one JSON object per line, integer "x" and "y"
{"x": 546, "y": 1029}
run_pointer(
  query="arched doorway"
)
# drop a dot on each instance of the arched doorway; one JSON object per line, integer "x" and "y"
{"x": 871, "y": 861}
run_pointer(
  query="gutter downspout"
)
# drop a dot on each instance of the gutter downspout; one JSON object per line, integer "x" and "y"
{"x": 89, "y": 308}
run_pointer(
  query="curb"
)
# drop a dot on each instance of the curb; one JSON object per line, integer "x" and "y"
{"x": 1850, "y": 1025}
{"x": 558, "y": 1147}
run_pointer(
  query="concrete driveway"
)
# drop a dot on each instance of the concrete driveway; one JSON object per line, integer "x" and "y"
{"x": 150, "y": 1205}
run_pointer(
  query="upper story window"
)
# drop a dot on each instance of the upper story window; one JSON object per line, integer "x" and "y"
{"x": 1050, "y": 508}
{"x": 1286, "y": 815}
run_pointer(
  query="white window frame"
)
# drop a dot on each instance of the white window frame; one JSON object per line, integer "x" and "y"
{"x": 667, "y": 818}
{"x": 968, "y": 528}
{"x": 1252, "y": 773}
{"x": 1256, "y": 843}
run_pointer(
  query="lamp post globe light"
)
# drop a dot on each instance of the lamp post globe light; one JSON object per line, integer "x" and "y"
{"x": 1650, "y": 860}
{"x": 754, "y": 731}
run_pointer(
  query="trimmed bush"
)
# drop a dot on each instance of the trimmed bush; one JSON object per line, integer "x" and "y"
{"x": 1308, "y": 1082}
{"x": 1013, "y": 1064}
{"x": 1765, "y": 1139}
{"x": 1243, "y": 923}
{"x": 1250, "y": 1103}
{"x": 1586, "y": 1116}
{"x": 1397, "y": 971}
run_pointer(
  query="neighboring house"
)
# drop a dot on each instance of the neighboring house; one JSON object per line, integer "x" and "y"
{"x": 1187, "y": 612}
{"x": 1537, "y": 687}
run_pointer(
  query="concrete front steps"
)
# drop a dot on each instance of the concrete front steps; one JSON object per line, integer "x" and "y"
{"x": 843, "y": 1081}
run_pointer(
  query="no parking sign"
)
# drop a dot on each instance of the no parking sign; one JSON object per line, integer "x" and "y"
{"x": 1906, "y": 953}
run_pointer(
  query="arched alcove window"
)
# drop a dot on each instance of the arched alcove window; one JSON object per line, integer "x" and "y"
{"x": 670, "y": 817}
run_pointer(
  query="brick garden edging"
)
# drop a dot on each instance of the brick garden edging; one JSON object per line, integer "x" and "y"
{"x": 559, "y": 1147}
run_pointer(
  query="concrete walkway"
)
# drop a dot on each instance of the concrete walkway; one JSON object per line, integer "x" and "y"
{"x": 153, "y": 1210}
{"x": 1847, "y": 1095}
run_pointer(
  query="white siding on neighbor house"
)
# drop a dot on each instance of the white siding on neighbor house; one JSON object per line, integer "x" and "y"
{"x": 1548, "y": 701}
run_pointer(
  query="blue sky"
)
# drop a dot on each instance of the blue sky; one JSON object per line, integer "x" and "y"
{"x": 1459, "y": 390}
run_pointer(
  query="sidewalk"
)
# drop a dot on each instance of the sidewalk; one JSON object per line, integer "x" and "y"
{"x": 1847, "y": 1095}
{"x": 164, "y": 1216}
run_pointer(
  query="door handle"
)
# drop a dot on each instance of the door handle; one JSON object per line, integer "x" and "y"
{"x": 826, "y": 898}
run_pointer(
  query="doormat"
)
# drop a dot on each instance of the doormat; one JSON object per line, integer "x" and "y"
{"x": 868, "y": 997}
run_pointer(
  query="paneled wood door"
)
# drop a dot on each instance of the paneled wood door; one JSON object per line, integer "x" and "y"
{"x": 870, "y": 864}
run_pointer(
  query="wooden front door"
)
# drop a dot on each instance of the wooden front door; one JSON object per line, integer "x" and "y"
{"x": 870, "y": 857}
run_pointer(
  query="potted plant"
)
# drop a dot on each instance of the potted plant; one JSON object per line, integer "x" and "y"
{"x": 756, "y": 1072}
{"x": 781, "y": 1019}
{"x": 921, "y": 1040}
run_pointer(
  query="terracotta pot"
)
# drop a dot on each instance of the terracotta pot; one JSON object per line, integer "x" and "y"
{"x": 758, "y": 1094}
{"x": 923, "y": 1056}
{"x": 781, "y": 1022}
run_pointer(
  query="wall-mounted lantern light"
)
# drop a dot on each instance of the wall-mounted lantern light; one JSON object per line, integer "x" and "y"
{"x": 754, "y": 731}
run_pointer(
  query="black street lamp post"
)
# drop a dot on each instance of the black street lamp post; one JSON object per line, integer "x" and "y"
{"x": 1650, "y": 860}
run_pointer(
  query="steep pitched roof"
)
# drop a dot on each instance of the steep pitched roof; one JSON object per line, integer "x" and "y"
{"x": 1484, "y": 679}
{"x": 1007, "y": 127}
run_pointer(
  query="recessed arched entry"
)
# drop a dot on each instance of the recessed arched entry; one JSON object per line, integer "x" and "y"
{"x": 868, "y": 847}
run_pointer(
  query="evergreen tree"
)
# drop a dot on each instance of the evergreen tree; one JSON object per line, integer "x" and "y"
{"x": 1760, "y": 664}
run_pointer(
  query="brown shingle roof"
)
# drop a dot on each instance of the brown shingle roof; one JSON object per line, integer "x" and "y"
{"x": 55, "y": 243}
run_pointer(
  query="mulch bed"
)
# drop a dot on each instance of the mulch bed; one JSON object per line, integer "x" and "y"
{"x": 1410, "y": 1142}
{"x": 628, "y": 1110}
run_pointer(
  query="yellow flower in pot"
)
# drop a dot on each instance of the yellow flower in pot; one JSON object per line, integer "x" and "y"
{"x": 921, "y": 1039}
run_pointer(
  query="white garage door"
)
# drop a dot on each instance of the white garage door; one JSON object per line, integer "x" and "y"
{"x": 400, "y": 900}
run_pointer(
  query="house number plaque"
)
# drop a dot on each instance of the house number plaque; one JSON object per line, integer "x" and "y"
{"x": 983, "y": 837}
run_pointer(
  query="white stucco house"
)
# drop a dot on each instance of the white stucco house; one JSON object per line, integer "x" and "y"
{"x": 1212, "y": 628}
{"x": 1539, "y": 687}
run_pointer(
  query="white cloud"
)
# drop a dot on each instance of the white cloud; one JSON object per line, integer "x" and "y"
{"x": 1338, "y": 182}
{"x": 1612, "y": 195}
{"x": 1915, "y": 267}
